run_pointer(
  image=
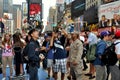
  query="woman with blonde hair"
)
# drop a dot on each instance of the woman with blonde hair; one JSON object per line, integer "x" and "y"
{"x": 7, "y": 54}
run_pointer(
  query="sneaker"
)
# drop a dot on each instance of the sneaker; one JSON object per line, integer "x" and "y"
{"x": 69, "y": 78}
{"x": 10, "y": 77}
{"x": 88, "y": 74}
{"x": 67, "y": 72}
{"x": 20, "y": 74}
{"x": 48, "y": 77}
{"x": 91, "y": 77}
{"x": 4, "y": 78}
{"x": 85, "y": 69}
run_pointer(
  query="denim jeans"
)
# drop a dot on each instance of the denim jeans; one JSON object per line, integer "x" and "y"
{"x": 33, "y": 72}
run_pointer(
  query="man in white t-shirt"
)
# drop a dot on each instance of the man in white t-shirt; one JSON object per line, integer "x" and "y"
{"x": 115, "y": 70}
{"x": 92, "y": 41}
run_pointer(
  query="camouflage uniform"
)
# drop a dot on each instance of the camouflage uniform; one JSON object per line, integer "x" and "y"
{"x": 76, "y": 50}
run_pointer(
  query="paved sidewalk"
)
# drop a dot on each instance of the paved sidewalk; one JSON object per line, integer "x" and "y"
{"x": 43, "y": 74}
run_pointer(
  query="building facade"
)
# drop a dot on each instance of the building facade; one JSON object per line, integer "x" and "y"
{"x": 6, "y": 14}
{"x": 52, "y": 16}
{"x": 1, "y": 8}
{"x": 16, "y": 8}
{"x": 7, "y": 6}
{"x": 91, "y": 3}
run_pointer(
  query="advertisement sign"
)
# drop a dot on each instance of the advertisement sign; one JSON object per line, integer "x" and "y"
{"x": 104, "y": 29}
{"x": 109, "y": 14}
{"x": 9, "y": 27}
{"x": 68, "y": 1}
{"x": 35, "y": 11}
{"x": 8, "y": 15}
{"x": 77, "y": 8}
{"x": 107, "y": 1}
{"x": 60, "y": 1}
{"x": 25, "y": 8}
{"x": 91, "y": 15}
{"x": 35, "y": 1}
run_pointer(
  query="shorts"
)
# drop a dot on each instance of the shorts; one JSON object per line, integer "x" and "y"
{"x": 49, "y": 63}
{"x": 60, "y": 65}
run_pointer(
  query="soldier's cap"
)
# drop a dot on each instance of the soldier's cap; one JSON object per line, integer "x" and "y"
{"x": 75, "y": 32}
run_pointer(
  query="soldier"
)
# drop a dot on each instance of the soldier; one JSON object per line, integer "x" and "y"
{"x": 76, "y": 50}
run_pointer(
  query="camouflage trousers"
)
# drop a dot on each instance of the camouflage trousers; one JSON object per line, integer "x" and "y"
{"x": 76, "y": 72}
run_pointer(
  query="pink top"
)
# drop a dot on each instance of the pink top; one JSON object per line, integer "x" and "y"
{"x": 7, "y": 51}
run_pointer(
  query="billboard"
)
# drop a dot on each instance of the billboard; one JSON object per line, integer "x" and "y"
{"x": 8, "y": 16}
{"x": 109, "y": 15}
{"x": 77, "y": 8}
{"x": 60, "y": 1}
{"x": 108, "y": 1}
{"x": 68, "y": 1}
{"x": 25, "y": 8}
{"x": 91, "y": 15}
{"x": 35, "y": 12}
{"x": 9, "y": 27}
{"x": 24, "y": 13}
{"x": 35, "y": 1}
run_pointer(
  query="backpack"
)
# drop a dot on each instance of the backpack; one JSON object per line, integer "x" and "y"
{"x": 110, "y": 57}
{"x": 90, "y": 56}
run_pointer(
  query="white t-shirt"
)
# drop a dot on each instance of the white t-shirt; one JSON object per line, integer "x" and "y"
{"x": 82, "y": 38}
{"x": 92, "y": 39}
{"x": 117, "y": 49}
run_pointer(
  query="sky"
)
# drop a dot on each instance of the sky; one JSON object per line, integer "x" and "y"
{"x": 18, "y": 1}
{"x": 47, "y": 4}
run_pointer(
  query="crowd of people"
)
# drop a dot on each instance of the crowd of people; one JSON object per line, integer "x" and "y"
{"x": 60, "y": 52}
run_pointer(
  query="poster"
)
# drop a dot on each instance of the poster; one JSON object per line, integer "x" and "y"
{"x": 109, "y": 15}
{"x": 35, "y": 11}
{"x": 25, "y": 8}
{"x": 60, "y": 1}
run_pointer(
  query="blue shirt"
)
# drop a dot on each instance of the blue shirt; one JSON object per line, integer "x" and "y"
{"x": 101, "y": 46}
{"x": 50, "y": 53}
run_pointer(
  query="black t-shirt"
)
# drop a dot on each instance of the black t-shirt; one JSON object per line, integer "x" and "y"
{"x": 62, "y": 40}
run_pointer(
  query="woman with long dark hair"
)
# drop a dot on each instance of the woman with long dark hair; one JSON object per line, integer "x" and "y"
{"x": 18, "y": 61}
{"x": 26, "y": 61}
{"x": 7, "y": 54}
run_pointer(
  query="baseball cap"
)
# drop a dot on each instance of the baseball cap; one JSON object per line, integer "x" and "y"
{"x": 117, "y": 34}
{"x": 104, "y": 33}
